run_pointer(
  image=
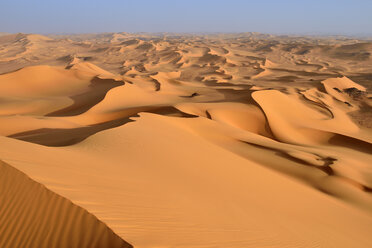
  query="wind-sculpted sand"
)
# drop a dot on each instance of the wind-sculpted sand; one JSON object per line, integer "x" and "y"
{"x": 167, "y": 140}
{"x": 33, "y": 216}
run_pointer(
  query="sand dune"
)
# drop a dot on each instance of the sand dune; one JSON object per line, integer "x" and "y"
{"x": 243, "y": 140}
{"x": 33, "y": 216}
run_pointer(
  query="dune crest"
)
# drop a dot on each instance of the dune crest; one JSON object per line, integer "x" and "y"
{"x": 33, "y": 216}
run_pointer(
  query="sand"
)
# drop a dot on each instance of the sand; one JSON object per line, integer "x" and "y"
{"x": 33, "y": 216}
{"x": 246, "y": 140}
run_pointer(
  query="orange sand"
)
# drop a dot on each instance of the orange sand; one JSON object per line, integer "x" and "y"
{"x": 185, "y": 141}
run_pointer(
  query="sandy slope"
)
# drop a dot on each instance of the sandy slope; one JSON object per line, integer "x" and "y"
{"x": 33, "y": 216}
{"x": 187, "y": 141}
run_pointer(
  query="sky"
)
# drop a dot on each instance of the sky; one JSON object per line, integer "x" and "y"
{"x": 338, "y": 17}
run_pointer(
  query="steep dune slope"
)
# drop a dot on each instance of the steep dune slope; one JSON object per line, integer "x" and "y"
{"x": 33, "y": 216}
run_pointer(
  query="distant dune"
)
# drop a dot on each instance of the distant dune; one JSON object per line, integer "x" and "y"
{"x": 175, "y": 140}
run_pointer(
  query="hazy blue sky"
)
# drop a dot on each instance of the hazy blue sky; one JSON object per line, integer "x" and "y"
{"x": 267, "y": 16}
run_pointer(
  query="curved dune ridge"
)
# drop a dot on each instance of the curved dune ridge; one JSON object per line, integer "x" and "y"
{"x": 33, "y": 216}
{"x": 185, "y": 141}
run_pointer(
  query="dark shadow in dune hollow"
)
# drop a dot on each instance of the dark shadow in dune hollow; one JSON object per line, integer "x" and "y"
{"x": 70, "y": 136}
{"x": 83, "y": 102}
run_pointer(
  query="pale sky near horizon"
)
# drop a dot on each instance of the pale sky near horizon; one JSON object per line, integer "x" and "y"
{"x": 350, "y": 17}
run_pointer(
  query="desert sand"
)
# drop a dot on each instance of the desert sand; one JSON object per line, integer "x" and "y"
{"x": 185, "y": 140}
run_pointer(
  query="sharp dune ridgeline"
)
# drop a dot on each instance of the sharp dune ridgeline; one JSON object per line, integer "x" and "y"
{"x": 180, "y": 140}
{"x": 33, "y": 216}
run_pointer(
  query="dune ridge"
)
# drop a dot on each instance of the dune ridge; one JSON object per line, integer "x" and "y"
{"x": 33, "y": 216}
